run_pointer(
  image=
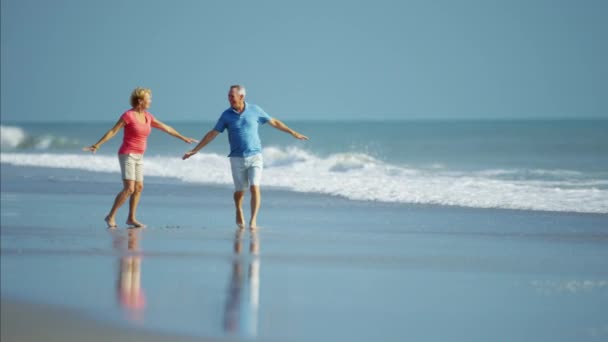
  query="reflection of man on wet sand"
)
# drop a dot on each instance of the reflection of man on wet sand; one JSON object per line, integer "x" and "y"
{"x": 130, "y": 294}
{"x": 242, "y": 302}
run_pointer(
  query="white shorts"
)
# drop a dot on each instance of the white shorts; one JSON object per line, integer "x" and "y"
{"x": 132, "y": 166}
{"x": 246, "y": 171}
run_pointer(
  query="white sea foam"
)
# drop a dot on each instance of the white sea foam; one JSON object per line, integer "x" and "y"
{"x": 359, "y": 176}
{"x": 569, "y": 286}
{"x": 11, "y": 137}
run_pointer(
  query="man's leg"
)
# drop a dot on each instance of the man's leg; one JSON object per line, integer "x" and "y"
{"x": 239, "y": 177}
{"x": 238, "y": 203}
{"x": 256, "y": 200}
{"x": 254, "y": 173}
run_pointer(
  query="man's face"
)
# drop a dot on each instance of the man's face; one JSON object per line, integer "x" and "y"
{"x": 235, "y": 98}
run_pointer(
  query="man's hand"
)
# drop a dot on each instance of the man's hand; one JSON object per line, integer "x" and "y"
{"x": 188, "y": 155}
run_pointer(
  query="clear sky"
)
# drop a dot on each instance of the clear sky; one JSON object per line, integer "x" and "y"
{"x": 80, "y": 59}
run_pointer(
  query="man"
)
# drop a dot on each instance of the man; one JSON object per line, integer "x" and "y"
{"x": 242, "y": 120}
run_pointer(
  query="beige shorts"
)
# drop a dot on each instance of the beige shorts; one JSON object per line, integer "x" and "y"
{"x": 132, "y": 166}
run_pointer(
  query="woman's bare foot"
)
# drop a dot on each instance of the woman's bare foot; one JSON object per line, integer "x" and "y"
{"x": 110, "y": 222}
{"x": 240, "y": 220}
{"x": 135, "y": 223}
{"x": 253, "y": 226}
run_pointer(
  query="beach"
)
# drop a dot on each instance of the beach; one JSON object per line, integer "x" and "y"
{"x": 321, "y": 268}
{"x": 429, "y": 171}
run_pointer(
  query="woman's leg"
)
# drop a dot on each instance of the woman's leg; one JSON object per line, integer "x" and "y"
{"x": 132, "y": 220}
{"x": 138, "y": 161}
{"x": 128, "y": 190}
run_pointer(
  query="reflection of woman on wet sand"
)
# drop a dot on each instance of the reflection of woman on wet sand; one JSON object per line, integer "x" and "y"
{"x": 129, "y": 291}
{"x": 242, "y": 302}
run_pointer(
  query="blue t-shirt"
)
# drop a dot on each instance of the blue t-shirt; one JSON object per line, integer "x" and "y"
{"x": 243, "y": 129}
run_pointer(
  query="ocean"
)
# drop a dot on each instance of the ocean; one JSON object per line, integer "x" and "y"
{"x": 539, "y": 165}
{"x": 370, "y": 231}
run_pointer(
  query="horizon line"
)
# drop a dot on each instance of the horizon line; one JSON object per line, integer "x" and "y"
{"x": 564, "y": 118}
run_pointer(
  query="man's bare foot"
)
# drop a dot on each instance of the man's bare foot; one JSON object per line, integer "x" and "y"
{"x": 253, "y": 226}
{"x": 110, "y": 222}
{"x": 135, "y": 223}
{"x": 240, "y": 220}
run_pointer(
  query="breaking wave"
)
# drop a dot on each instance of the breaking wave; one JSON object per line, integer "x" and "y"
{"x": 358, "y": 176}
{"x": 16, "y": 138}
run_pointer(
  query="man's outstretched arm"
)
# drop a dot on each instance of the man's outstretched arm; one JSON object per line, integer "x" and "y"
{"x": 206, "y": 139}
{"x": 278, "y": 124}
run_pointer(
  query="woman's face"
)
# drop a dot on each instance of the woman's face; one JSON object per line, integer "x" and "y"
{"x": 146, "y": 101}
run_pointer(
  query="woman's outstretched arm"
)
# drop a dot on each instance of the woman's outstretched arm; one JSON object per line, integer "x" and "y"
{"x": 109, "y": 134}
{"x": 171, "y": 131}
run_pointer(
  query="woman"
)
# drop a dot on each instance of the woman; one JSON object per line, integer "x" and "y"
{"x": 137, "y": 123}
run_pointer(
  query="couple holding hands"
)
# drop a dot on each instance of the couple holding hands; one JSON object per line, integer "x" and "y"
{"x": 241, "y": 120}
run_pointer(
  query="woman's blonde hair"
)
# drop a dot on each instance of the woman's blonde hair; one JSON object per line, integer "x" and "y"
{"x": 137, "y": 94}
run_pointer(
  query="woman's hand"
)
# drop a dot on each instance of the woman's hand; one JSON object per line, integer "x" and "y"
{"x": 299, "y": 136}
{"x": 189, "y": 140}
{"x": 92, "y": 148}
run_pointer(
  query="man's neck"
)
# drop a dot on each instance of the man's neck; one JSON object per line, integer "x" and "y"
{"x": 239, "y": 108}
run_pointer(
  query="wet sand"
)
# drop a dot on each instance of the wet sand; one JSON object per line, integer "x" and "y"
{"x": 320, "y": 269}
{"x": 26, "y": 322}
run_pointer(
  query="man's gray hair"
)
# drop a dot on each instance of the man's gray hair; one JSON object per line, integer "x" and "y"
{"x": 239, "y": 88}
